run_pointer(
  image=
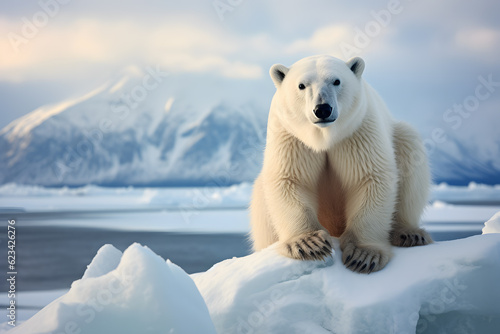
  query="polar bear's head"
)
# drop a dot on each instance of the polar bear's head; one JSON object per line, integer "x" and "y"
{"x": 318, "y": 99}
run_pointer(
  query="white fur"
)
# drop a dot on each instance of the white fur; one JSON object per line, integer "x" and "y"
{"x": 364, "y": 172}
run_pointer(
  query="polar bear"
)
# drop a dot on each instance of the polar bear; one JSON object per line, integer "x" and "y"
{"x": 337, "y": 164}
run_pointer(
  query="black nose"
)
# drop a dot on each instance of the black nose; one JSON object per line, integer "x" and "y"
{"x": 323, "y": 111}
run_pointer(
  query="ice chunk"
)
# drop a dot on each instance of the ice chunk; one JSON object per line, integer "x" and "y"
{"x": 492, "y": 225}
{"x": 142, "y": 295}
{"x": 106, "y": 260}
{"x": 444, "y": 287}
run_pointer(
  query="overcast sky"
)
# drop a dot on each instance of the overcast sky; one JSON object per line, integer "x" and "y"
{"x": 423, "y": 56}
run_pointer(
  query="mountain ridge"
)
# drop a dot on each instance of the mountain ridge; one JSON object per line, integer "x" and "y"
{"x": 137, "y": 131}
{"x": 104, "y": 139}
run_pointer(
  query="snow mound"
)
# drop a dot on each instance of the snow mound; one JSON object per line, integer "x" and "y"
{"x": 133, "y": 292}
{"x": 492, "y": 225}
{"x": 446, "y": 287}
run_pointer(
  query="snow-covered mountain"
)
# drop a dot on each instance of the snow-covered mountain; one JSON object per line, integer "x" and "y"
{"x": 133, "y": 131}
{"x": 142, "y": 130}
{"x": 460, "y": 160}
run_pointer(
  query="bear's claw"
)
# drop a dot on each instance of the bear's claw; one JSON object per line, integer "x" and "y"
{"x": 361, "y": 258}
{"x": 409, "y": 237}
{"x": 308, "y": 246}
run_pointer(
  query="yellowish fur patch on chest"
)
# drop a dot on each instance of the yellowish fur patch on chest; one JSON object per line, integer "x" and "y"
{"x": 331, "y": 201}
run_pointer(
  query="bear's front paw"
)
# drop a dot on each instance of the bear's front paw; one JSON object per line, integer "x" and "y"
{"x": 309, "y": 246}
{"x": 363, "y": 259}
{"x": 409, "y": 237}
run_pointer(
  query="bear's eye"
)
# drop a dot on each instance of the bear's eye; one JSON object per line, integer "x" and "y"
{"x": 302, "y": 86}
{"x": 336, "y": 82}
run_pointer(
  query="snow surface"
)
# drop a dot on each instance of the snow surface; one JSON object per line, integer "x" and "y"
{"x": 473, "y": 193}
{"x": 50, "y": 199}
{"x": 441, "y": 212}
{"x": 42, "y": 199}
{"x": 446, "y": 287}
{"x": 179, "y": 221}
{"x": 28, "y": 304}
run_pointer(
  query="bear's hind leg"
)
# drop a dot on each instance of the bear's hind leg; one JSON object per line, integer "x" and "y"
{"x": 413, "y": 188}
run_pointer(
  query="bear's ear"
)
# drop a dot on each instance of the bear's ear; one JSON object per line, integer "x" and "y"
{"x": 357, "y": 66}
{"x": 278, "y": 73}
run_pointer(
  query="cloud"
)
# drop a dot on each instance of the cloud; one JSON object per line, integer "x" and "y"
{"x": 427, "y": 53}
{"x": 85, "y": 46}
{"x": 481, "y": 41}
{"x": 324, "y": 40}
